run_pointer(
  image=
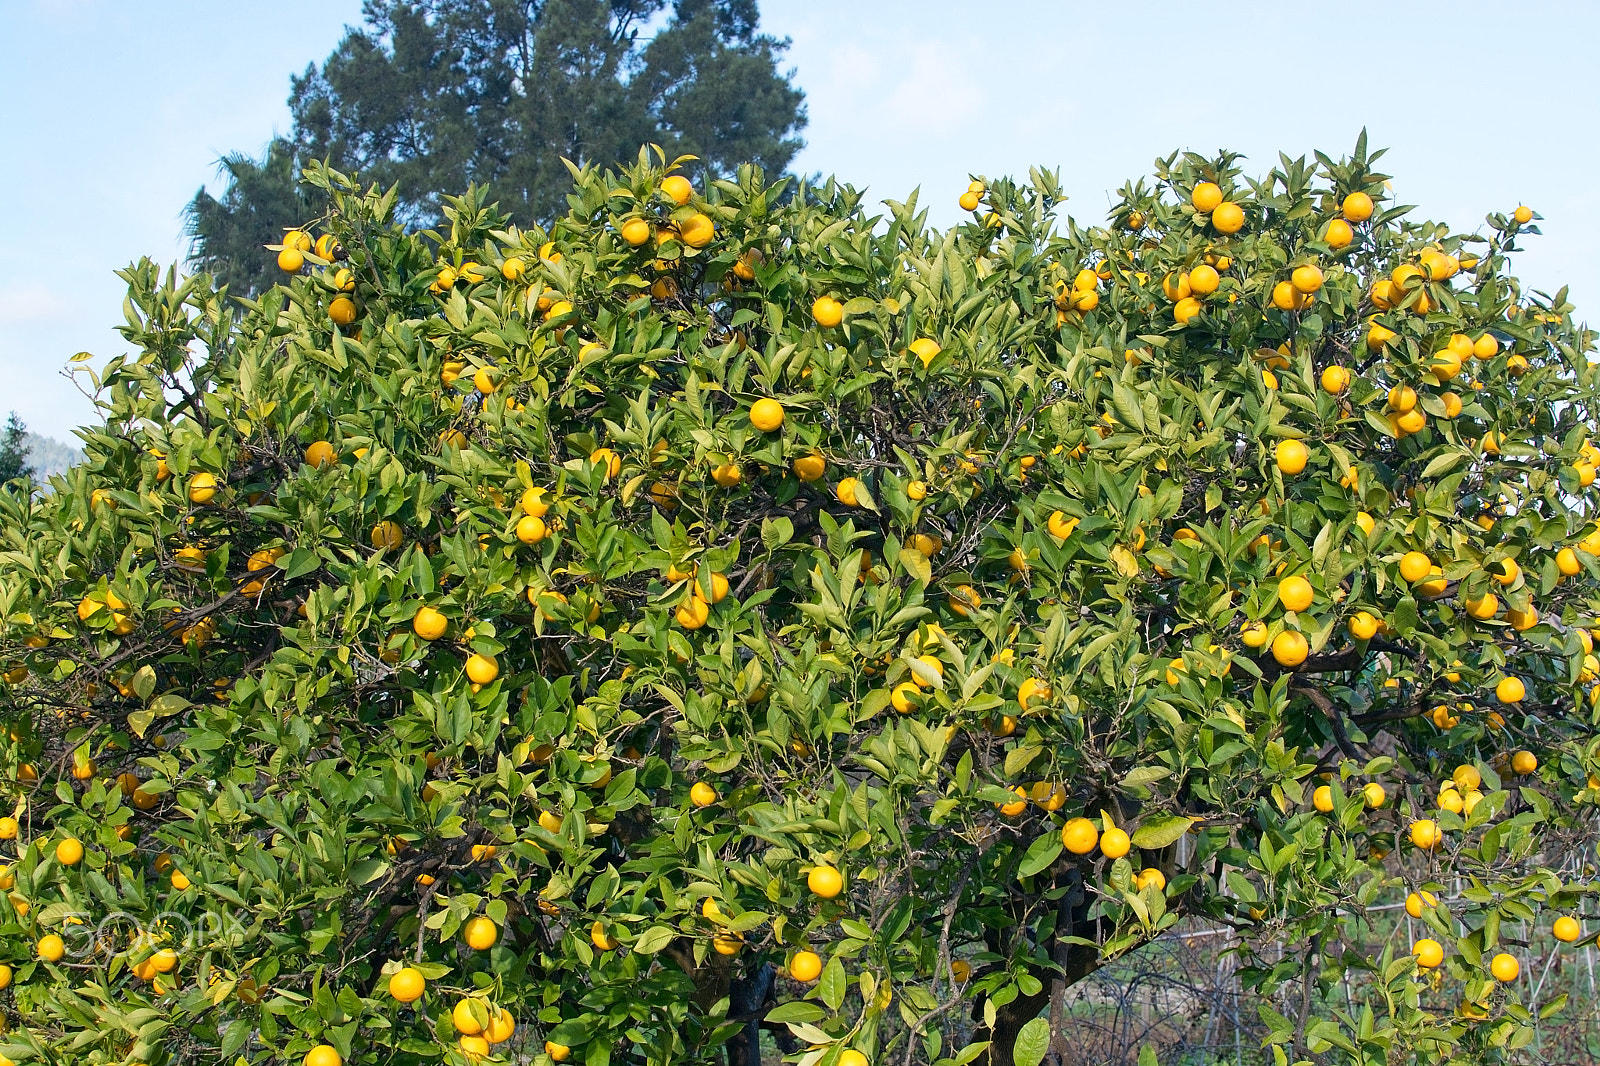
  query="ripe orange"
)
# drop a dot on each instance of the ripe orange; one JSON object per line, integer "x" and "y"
{"x": 810, "y": 467}
{"x": 1228, "y": 217}
{"x": 825, "y": 881}
{"x": 1290, "y": 648}
{"x": 290, "y": 260}
{"x": 1415, "y": 566}
{"x": 557, "y": 1052}
{"x": 805, "y": 966}
{"x": 1416, "y": 901}
{"x": 202, "y": 488}
{"x": 342, "y": 311}
{"x": 407, "y": 984}
{"x": 964, "y": 598}
{"x": 1486, "y": 346}
{"x": 702, "y": 794}
{"x": 1295, "y": 593}
{"x": 607, "y": 460}
{"x": 766, "y": 414}
{"x": 1335, "y": 380}
{"x": 1357, "y": 207}
{"x": 827, "y": 311}
{"x": 968, "y": 200}
{"x": 1523, "y": 215}
{"x": 693, "y": 613}
{"x": 1204, "y": 280}
{"x": 1060, "y": 526}
{"x": 501, "y": 1026}
{"x": 482, "y": 669}
{"x": 677, "y": 188}
{"x": 1206, "y": 197}
{"x": 1291, "y": 456}
{"x": 636, "y": 231}
{"x": 1032, "y": 689}
{"x": 1363, "y": 625}
{"x": 697, "y": 230}
{"x": 1338, "y": 234}
{"x": 1510, "y": 690}
{"x": 323, "y": 1055}
{"x": 429, "y": 623}
{"x": 1187, "y": 310}
{"x": 481, "y": 933}
{"x": 386, "y": 536}
{"x": 1322, "y": 798}
{"x": 531, "y": 530}
{"x": 69, "y": 852}
{"x": 1524, "y": 762}
{"x": 1149, "y": 878}
{"x": 1426, "y": 834}
{"x": 1114, "y": 843}
{"x": 1429, "y": 953}
{"x": 1253, "y": 634}
{"x": 1374, "y": 794}
{"x": 1079, "y": 836}
{"x": 1306, "y": 279}
{"x": 1504, "y": 967}
{"x": 1567, "y": 929}
{"x": 50, "y": 948}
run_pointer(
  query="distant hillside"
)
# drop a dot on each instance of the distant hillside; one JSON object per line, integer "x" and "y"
{"x": 49, "y": 456}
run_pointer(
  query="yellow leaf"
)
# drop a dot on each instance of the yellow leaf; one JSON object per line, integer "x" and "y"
{"x": 1126, "y": 564}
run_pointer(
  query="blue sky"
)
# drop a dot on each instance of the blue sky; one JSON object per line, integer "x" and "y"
{"x": 125, "y": 106}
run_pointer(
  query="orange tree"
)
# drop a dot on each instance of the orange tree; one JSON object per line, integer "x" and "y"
{"x": 728, "y": 610}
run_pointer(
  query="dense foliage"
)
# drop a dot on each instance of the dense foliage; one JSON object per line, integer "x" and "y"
{"x": 729, "y": 608}
{"x": 436, "y": 94}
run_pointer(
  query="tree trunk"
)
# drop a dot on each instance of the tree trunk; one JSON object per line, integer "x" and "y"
{"x": 747, "y": 995}
{"x": 1077, "y": 961}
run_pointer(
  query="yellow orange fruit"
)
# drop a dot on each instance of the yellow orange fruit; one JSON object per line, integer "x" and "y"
{"x": 766, "y": 414}
{"x": 1207, "y": 196}
{"x": 805, "y": 966}
{"x": 1227, "y": 217}
{"x": 1295, "y": 593}
{"x": 1290, "y": 648}
{"x": 1357, "y": 207}
{"x": 1291, "y": 456}
{"x": 827, "y": 312}
{"x": 825, "y": 881}
{"x": 677, "y": 188}
{"x": 407, "y": 984}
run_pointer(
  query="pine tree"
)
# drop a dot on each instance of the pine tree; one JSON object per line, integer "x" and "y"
{"x": 436, "y": 94}
{"x": 14, "y": 451}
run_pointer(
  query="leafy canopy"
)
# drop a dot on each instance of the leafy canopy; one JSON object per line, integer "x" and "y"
{"x": 725, "y": 573}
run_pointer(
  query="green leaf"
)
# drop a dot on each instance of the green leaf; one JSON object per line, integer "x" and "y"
{"x": 1041, "y": 853}
{"x": 833, "y": 984}
{"x": 654, "y": 939}
{"x": 1160, "y": 831}
{"x": 796, "y": 1010}
{"x": 916, "y": 564}
{"x": 1033, "y": 1041}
